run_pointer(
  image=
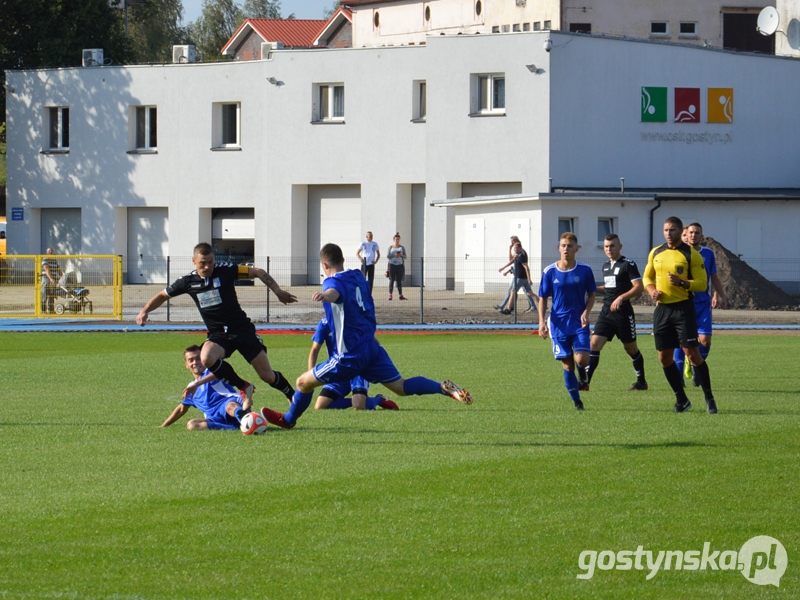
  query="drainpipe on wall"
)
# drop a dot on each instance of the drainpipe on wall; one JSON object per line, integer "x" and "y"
{"x": 652, "y": 215}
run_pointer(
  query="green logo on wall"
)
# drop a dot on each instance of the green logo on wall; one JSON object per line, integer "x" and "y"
{"x": 654, "y": 105}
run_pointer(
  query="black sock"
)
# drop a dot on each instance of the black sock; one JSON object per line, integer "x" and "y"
{"x": 675, "y": 380}
{"x": 594, "y": 360}
{"x": 703, "y": 377}
{"x": 638, "y": 366}
{"x": 224, "y": 372}
{"x": 282, "y": 385}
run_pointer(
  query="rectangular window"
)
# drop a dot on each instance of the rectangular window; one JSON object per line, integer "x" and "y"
{"x": 659, "y": 29}
{"x": 565, "y": 224}
{"x": 495, "y": 28}
{"x": 515, "y": 27}
{"x": 146, "y": 128}
{"x": 688, "y": 30}
{"x": 490, "y": 94}
{"x": 226, "y": 126}
{"x": 580, "y": 27}
{"x": 605, "y": 226}
{"x": 58, "y": 127}
{"x": 506, "y": 28}
{"x": 330, "y": 105}
{"x": 526, "y": 27}
{"x": 547, "y": 25}
{"x": 537, "y": 26}
{"x": 420, "y": 101}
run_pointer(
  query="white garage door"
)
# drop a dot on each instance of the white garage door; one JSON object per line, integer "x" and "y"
{"x": 148, "y": 245}
{"x": 334, "y": 216}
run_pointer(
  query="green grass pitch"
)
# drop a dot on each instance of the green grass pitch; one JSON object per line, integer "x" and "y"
{"x": 495, "y": 500}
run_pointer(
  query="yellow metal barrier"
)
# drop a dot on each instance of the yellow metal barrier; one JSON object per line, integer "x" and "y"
{"x": 58, "y": 285}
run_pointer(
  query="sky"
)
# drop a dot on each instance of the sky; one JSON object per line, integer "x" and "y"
{"x": 302, "y": 9}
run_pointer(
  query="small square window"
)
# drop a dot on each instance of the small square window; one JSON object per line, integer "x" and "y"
{"x": 489, "y": 94}
{"x": 57, "y": 128}
{"x": 516, "y": 27}
{"x": 565, "y": 225}
{"x": 659, "y": 29}
{"x": 605, "y": 226}
{"x": 146, "y": 124}
{"x": 688, "y": 30}
{"x": 526, "y": 27}
{"x": 506, "y": 28}
{"x": 547, "y": 25}
{"x": 329, "y": 105}
{"x": 537, "y": 26}
{"x": 495, "y": 29}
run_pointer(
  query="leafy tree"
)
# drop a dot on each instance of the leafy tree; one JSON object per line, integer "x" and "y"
{"x": 154, "y": 28}
{"x": 215, "y": 26}
{"x": 262, "y": 9}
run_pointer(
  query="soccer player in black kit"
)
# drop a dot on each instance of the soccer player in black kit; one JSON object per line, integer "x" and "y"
{"x": 211, "y": 286}
{"x": 621, "y": 284}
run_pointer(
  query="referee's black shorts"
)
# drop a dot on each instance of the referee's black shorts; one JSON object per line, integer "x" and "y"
{"x": 620, "y": 323}
{"x": 245, "y": 340}
{"x": 675, "y": 325}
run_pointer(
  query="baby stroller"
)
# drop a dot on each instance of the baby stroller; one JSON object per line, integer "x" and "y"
{"x": 74, "y": 296}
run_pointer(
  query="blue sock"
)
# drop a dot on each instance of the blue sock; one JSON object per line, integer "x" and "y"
{"x": 300, "y": 402}
{"x": 420, "y": 386}
{"x": 704, "y": 350}
{"x": 341, "y": 403}
{"x": 239, "y": 414}
{"x": 679, "y": 357}
{"x": 373, "y": 402}
{"x": 571, "y": 381}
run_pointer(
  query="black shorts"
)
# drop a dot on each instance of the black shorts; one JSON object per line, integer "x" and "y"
{"x": 621, "y": 323}
{"x": 248, "y": 343}
{"x": 675, "y": 325}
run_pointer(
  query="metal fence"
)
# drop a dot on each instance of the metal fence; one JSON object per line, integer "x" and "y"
{"x": 455, "y": 291}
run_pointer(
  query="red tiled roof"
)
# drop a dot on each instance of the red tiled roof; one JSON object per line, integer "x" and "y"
{"x": 365, "y": 2}
{"x": 294, "y": 33}
{"x": 341, "y": 13}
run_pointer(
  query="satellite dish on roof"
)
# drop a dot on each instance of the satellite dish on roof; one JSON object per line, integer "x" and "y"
{"x": 793, "y": 34}
{"x": 768, "y": 21}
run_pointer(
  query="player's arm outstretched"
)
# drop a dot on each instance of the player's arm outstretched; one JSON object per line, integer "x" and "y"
{"x": 329, "y": 295}
{"x": 282, "y": 295}
{"x": 179, "y": 411}
{"x": 152, "y": 304}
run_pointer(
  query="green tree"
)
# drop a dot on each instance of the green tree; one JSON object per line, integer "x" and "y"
{"x": 262, "y": 9}
{"x": 215, "y": 26}
{"x": 154, "y": 28}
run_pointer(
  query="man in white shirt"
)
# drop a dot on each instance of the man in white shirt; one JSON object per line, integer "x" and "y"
{"x": 369, "y": 253}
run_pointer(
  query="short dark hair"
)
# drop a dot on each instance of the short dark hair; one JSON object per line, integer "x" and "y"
{"x": 696, "y": 224}
{"x": 611, "y": 236}
{"x": 193, "y": 348}
{"x": 675, "y": 221}
{"x": 332, "y": 254}
{"x": 203, "y": 249}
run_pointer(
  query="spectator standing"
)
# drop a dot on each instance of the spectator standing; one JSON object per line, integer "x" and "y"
{"x": 397, "y": 266}
{"x": 369, "y": 253}
{"x": 51, "y": 275}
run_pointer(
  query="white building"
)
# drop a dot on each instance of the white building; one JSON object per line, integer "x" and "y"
{"x": 455, "y": 144}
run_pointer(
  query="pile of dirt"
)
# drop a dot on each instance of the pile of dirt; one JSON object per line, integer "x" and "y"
{"x": 746, "y": 288}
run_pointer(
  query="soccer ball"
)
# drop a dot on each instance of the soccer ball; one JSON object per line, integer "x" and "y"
{"x": 253, "y": 424}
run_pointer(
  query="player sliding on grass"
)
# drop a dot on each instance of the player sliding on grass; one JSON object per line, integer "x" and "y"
{"x": 571, "y": 285}
{"x": 334, "y": 395}
{"x": 219, "y": 402}
{"x": 351, "y": 315}
{"x": 229, "y": 328}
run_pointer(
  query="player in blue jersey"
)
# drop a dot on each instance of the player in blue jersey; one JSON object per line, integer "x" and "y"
{"x": 572, "y": 287}
{"x": 703, "y": 301}
{"x": 351, "y": 315}
{"x": 220, "y": 403}
{"x": 334, "y": 395}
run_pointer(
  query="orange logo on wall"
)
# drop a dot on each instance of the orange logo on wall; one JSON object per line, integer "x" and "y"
{"x": 720, "y": 105}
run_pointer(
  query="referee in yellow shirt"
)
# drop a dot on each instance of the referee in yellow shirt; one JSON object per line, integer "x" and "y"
{"x": 674, "y": 271}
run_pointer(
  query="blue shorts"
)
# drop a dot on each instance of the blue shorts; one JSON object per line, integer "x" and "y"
{"x": 564, "y": 345}
{"x": 373, "y": 364}
{"x": 230, "y": 423}
{"x": 357, "y": 385}
{"x": 703, "y": 318}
